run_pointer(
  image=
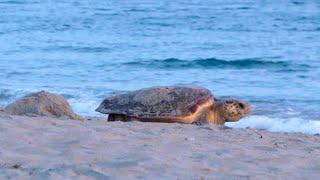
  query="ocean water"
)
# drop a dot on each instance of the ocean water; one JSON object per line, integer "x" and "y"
{"x": 265, "y": 52}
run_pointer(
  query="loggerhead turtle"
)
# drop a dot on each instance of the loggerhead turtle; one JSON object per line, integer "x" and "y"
{"x": 172, "y": 104}
{"x": 42, "y": 104}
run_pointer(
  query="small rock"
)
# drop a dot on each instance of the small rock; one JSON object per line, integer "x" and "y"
{"x": 16, "y": 166}
{"x": 189, "y": 138}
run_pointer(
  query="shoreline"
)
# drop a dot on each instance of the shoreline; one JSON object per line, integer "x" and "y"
{"x": 43, "y": 147}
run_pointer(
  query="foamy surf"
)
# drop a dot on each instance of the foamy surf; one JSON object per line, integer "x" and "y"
{"x": 278, "y": 124}
{"x": 85, "y": 106}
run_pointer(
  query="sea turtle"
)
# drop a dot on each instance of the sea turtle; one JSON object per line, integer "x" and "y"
{"x": 42, "y": 104}
{"x": 173, "y": 104}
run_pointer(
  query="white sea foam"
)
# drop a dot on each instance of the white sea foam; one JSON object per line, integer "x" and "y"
{"x": 84, "y": 106}
{"x": 279, "y": 124}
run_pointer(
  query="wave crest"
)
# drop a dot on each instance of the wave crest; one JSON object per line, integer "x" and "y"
{"x": 278, "y": 124}
{"x": 173, "y": 63}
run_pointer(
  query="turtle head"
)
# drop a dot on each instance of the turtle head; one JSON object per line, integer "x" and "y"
{"x": 232, "y": 110}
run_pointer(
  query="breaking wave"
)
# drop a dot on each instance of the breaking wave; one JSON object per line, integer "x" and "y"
{"x": 278, "y": 124}
{"x": 251, "y": 63}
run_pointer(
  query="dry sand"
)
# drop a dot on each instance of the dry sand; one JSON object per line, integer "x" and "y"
{"x": 47, "y": 148}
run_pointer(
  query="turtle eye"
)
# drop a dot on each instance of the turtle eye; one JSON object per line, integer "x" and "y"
{"x": 241, "y": 105}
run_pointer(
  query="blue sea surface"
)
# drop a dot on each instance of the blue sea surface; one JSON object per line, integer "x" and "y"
{"x": 265, "y": 52}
